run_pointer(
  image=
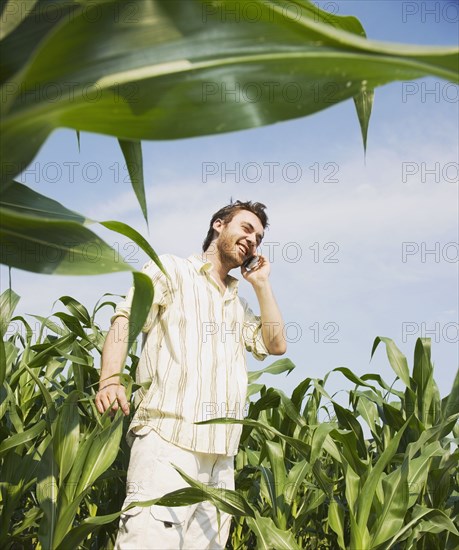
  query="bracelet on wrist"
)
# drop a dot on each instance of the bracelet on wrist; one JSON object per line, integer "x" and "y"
{"x": 113, "y": 384}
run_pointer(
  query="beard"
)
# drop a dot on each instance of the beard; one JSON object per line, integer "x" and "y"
{"x": 231, "y": 255}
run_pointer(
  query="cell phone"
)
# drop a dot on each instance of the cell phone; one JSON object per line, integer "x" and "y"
{"x": 250, "y": 263}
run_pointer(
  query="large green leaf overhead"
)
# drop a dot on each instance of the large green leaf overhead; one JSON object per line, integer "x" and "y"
{"x": 41, "y": 235}
{"x": 167, "y": 69}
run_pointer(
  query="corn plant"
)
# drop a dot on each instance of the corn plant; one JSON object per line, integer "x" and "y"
{"x": 61, "y": 462}
{"x": 322, "y": 484}
{"x": 311, "y": 473}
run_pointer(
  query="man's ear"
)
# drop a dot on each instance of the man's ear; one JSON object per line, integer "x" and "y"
{"x": 218, "y": 224}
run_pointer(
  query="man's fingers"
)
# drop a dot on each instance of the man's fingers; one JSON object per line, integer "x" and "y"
{"x": 112, "y": 398}
{"x": 101, "y": 402}
{"x": 99, "y": 406}
{"x": 106, "y": 399}
{"x": 122, "y": 400}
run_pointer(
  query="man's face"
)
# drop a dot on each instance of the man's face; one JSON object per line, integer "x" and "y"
{"x": 238, "y": 239}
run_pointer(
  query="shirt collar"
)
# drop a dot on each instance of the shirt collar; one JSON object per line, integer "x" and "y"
{"x": 202, "y": 265}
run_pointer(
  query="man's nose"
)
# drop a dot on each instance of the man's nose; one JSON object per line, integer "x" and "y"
{"x": 251, "y": 243}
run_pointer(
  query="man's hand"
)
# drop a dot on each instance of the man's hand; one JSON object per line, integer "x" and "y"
{"x": 271, "y": 317}
{"x": 259, "y": 275}
{"x": 112, "y": 396}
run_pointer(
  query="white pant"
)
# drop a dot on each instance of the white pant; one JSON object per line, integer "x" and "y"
{"x": 151, "y": 475}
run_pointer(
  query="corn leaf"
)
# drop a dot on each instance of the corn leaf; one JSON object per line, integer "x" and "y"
{"x": 132, "y": 151}
{"x": 163, "y": 74}
{"x": 269, "y": 537}
{"x": 396, "y": 359}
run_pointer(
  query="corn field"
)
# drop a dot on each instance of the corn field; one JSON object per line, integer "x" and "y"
{"x": 379, "y": 473}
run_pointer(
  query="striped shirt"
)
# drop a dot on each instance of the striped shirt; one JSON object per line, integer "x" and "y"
{"x": 193, "y": 354}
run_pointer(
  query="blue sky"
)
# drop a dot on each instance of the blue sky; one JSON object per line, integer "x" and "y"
{"x": 349, "y": 240}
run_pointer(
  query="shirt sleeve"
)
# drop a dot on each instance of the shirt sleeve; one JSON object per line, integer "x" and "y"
{"x": 162, "y": 295}
{"x": 252, "y": 333}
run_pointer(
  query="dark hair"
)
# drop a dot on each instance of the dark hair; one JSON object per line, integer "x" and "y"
{"x": 227, "y": 213}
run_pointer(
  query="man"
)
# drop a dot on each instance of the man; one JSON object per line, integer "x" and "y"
{"x": 196, "y": 332}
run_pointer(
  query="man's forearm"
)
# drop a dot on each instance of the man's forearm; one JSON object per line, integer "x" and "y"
{"x": 272, "y": 322}
{"x": 114, "y": 352}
